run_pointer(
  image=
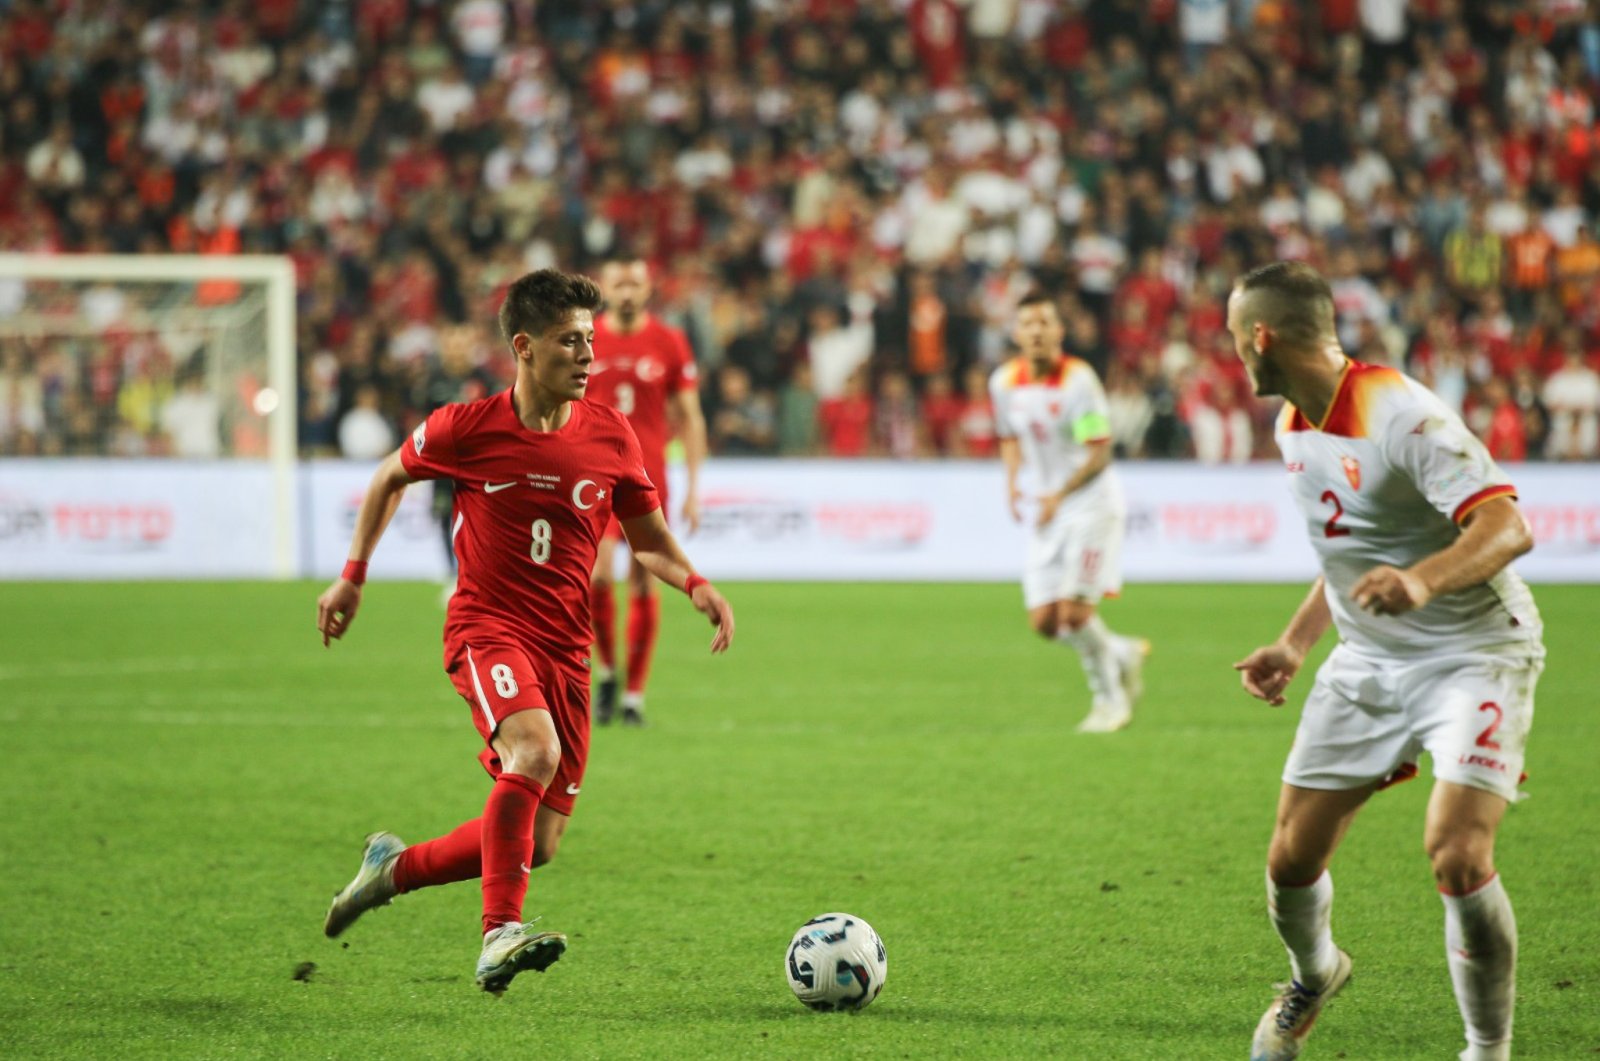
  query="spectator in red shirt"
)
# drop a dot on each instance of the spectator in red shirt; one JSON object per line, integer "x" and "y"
{"x": 941, "y": 413}
{"x": 847, "y": 420}
{"x": 1507, "y": 435}
{"x": 937, "y": 32}
{"x": 1151, "y": 285}
{"x": 975, "y": 434}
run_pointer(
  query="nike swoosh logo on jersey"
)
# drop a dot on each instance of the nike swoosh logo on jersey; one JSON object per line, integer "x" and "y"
{"x": 490, "y": 488}
{"x": 572, "y": 790}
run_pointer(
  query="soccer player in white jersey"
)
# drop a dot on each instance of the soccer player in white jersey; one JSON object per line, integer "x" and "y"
{"x": 1051, "y": 415}
{"x": 1439, "y": 651}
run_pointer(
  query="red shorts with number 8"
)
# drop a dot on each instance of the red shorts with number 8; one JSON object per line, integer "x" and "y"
{"x": 497, "y": 679}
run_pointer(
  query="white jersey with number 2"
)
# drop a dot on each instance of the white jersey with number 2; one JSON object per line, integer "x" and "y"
{"x": 1386, "y": 478}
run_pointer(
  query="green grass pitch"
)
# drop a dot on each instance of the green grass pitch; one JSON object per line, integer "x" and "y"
{"x": 187, "y": 776}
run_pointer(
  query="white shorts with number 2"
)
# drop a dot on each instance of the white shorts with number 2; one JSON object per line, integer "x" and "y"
{"x": 1368, "y": 720}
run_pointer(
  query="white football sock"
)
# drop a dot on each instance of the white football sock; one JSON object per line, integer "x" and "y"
{"x": 1480, "y": 940}
{"x": 1303, "y": 917}
{"x": 1099, "y": 657}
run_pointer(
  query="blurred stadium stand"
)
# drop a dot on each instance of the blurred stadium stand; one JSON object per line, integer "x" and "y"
{"x": 841, "y": 200}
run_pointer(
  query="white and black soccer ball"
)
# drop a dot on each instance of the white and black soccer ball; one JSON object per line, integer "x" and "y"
{"x": 836, "y": 961}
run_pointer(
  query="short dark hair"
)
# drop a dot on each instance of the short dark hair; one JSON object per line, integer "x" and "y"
{"x": 543, "y": 298}
{"x": 1292, "y": 299}
{"x": 1037, "y": 296}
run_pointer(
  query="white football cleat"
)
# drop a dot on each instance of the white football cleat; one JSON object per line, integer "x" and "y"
{"x": 633, "y": 710}
{"x": 1135, "y": 650}
{"x": 513, "y": 948}
{"x": 1107, "y": 716}
{"x": 373, "y": 885}
{"x": 1287, "y": 1022}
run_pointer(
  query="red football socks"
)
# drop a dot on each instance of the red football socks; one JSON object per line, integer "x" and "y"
{"x": 508, "y": 847}
{"x": 603, "y": 617}
{"x": 644, "y": 618}
{"x": 456, "y": 855}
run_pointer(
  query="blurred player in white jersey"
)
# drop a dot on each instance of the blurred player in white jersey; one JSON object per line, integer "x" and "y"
{"x": 1440, "y": 648}
{"x": 1051, "y": 415}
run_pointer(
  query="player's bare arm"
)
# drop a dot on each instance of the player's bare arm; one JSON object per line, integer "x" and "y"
{"x": 336, "y": 608}
{"x": 1493, "y": 534}
{"x": 1099, "y": 460}
{"x": 655, "y": 548}
{"x": 1011, "y": 457}
{"x": 1267, "y": 672}
{"x": 684, "y": 409}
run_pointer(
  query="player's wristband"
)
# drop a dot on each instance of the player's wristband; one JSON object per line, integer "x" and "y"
{"x": 693, "y": 583}
{"x": 355, "y": 572}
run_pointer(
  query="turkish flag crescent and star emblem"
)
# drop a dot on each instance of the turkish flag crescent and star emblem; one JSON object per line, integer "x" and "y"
{"x": 1352, "y": 471}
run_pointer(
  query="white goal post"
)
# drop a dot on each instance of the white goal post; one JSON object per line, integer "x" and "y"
{"x": 238, "y": 311}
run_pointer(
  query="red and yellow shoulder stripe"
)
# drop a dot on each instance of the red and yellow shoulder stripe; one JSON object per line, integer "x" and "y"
{"x": 1292, "y": 419}
{"x": 1355, "y": 400}
{"x": 1018, "y": 372}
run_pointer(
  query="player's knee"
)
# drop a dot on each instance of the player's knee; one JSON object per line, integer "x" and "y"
{"x": 1073, "y": 620}
{"x": 1291, "y": 869}
{"x": 532, "y": 756}
{"x": 1043, "y": 623}
{"x": 1293, "y": 863}
{"x": 544, "y": 851}
{"x": 1461, "y": 862}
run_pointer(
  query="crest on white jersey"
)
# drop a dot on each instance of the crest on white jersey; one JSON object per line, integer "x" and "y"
{"x": 1352, "y": 471}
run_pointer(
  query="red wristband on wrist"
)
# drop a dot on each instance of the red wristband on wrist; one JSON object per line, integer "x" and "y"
{"x": 355, "y": 572}
{"x": 694, "y": 582}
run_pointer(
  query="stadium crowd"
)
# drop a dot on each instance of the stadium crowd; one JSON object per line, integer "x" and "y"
{"x": 841, "y": 200}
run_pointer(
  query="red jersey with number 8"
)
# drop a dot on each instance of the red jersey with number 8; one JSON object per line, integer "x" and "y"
{"x": 530, "y": 508}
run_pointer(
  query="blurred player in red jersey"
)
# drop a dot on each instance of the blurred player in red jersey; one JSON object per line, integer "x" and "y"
{"x": 645, "y": 370}
{"x": 538, "y": 474}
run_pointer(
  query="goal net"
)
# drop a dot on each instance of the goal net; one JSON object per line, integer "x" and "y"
{"x": 177, "y": 359}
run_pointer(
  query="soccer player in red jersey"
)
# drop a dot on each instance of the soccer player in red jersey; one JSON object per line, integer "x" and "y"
{"x": 645, "y": 370}
{"x": 538, "y": 474}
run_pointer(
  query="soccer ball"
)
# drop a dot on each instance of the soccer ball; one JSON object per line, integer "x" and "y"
{"x": 836, "y": 962}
